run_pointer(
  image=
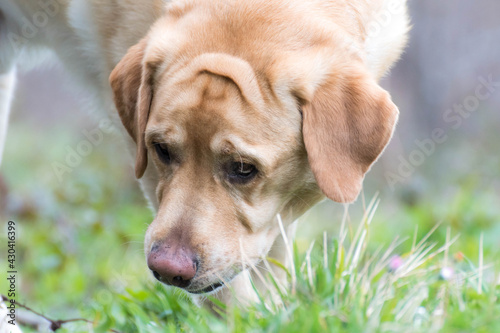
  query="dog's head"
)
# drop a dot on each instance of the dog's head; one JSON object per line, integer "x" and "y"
{"x": 239, "y": 130}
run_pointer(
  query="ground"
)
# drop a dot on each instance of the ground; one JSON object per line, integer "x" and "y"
{"x": 79, "y": 253}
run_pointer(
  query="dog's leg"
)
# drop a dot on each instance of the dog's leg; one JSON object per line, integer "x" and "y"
{"x": 7, "y": 83}
{"x": 9, "y": 52}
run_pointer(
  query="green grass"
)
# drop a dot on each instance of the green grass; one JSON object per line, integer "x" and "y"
{"x": 79, "y": 250}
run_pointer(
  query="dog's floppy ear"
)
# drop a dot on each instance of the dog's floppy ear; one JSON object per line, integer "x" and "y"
{"x": 132, "y": 84}
{"x": 347, "y": 122}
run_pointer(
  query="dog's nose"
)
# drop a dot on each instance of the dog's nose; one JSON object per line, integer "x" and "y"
{"x": 174, "y": 265}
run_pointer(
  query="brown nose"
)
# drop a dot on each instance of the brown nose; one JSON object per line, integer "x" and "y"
{"x": 172, "y": 264}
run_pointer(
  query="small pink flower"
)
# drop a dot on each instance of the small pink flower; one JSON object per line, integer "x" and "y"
{"x": 447, "y": 273}
{"x": 459, "y": 256}
{"x": 395, "y": 262}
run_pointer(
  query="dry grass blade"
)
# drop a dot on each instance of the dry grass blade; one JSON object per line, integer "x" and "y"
{"x": 290, "y": 254}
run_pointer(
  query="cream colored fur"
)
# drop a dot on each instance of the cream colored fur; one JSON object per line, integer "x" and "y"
{"x": 319, "y": 54}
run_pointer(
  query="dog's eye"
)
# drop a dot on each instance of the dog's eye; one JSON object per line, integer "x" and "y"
{"x": 241, "y": 172}
{"x": 162, "y": 152}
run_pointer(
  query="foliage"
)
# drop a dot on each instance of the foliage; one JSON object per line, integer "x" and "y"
{"x": 80, "y": 256}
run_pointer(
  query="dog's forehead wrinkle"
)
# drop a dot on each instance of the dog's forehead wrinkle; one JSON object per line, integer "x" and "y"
{"x": 210, "y": 106}
{"x": 194, "y": 89}
{"x": 165, "y": 133}
{"x": 229, "y": 69}
{"x": 243, "y": 147}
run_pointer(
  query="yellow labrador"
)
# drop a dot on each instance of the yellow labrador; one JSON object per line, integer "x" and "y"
{"x": 237, "y": 111}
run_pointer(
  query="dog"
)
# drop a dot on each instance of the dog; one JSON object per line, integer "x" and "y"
{"x": 240, "y": 114}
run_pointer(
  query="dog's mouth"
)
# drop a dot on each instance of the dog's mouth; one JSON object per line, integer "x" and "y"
{"x": 228, "y": 278}
{"x": 208, "y": 289}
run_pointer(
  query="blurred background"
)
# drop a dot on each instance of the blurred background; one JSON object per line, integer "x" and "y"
{"x": 80, "y": 231}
